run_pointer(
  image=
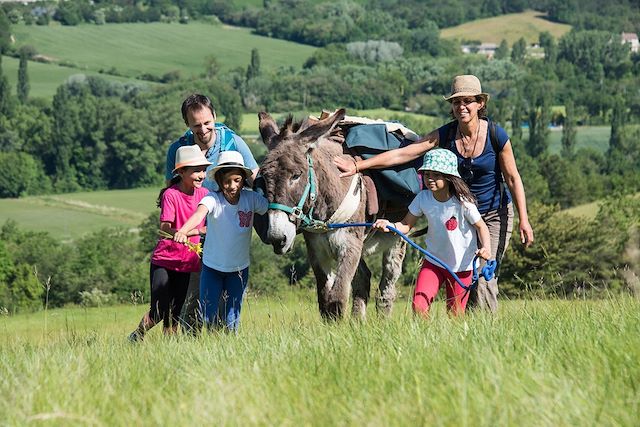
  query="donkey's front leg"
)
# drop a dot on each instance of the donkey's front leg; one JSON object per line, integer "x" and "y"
{"x": 324, "y": 282}
{"x": 347, "y": 246}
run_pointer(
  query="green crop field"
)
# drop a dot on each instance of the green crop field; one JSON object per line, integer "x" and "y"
{"x": 156, "y": 48}
{"x": 508, "y": 27}
{"x": 44, "y": 79}
{"x": 536, "y": 363}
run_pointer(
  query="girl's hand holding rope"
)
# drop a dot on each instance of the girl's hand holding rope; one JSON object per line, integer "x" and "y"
{"x": 483, "y": 253}
{"x": 382, "y": 224}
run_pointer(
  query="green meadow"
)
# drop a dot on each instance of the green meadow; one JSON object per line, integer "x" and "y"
{"x": 44, "y": 79}
{"x": 594, "y": 138}
{"x": 69, "y": 216}
{"x": 509, "y": 27}
{"x": 157, "y": 48}
{"x": 536, "y": 363}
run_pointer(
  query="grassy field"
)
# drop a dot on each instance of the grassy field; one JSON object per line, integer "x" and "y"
{"x": 509, "y": 27}
{"x": 588, "y": 137}
{"x": 156, "y": 48}
{"x": 44, "y": 79}
{"x": 68, "y": 216}
{"x": 537, "y": 363}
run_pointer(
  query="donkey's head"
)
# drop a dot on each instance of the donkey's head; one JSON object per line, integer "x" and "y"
{"x": 286, "y": 172}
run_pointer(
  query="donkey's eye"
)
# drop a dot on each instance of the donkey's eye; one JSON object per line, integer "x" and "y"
{"x": 296, "y": 176}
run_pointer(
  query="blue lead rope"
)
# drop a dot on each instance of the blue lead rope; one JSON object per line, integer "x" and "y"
{"x": 487, "y": 271}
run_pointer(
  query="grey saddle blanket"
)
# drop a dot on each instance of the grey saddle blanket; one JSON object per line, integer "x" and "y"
{"x": 397, "y": 185}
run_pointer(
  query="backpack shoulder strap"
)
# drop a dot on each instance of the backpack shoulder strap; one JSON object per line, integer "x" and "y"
{"x": 228, "y": 137}
{"x": 493, "y": 135}
{"x": 451, "y": 133}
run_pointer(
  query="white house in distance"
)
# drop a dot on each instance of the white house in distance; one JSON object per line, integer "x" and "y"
{"x": 487, "y": 49}
{"x": 631, "y": 39}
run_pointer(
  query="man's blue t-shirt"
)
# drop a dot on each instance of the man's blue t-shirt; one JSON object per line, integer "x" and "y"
{"x": 226, "y": 140}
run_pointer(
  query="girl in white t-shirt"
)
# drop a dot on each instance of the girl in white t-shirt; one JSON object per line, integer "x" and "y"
{"x": 225, "y": 259}
{"x": 453, "y": 221}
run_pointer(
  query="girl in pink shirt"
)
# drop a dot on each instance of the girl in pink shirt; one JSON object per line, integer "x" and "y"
{"x": 172, "y": 262}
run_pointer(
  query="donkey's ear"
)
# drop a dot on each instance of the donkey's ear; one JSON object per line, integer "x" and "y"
{"x": 322, "y": 128}
{"x": 268, "y": 129}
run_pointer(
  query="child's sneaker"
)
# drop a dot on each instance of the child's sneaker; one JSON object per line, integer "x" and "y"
{"x": 135, "y": 336}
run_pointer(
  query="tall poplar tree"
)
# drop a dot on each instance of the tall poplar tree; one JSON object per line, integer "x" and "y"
{"x": 5, "y": 94}
{"x": 22, "y": 88}
{"x": 569, "y": 130}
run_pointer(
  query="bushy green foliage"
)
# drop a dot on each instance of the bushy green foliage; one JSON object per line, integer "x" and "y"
{"x": 21, "y": 175}
{"x": 572, "y": 256}
{"x": 20, "y": 289}
{"x": 109, "y": 260}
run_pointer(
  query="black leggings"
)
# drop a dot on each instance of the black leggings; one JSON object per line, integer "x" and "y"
{"x": 168, "y": 291}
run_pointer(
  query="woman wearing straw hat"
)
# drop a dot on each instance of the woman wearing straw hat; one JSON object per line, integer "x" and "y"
{"x": 225, "y": 260}
{"x": 485, "y": 162}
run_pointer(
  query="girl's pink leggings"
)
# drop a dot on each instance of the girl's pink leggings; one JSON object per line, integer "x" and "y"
{"x": 430, "y": 278}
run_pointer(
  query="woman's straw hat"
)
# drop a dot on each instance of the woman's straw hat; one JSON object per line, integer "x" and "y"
{"x": 230, "y": 159}
{"x": 190, "y": 155}
{"x": 466, "y": 85}
{"x": 440, "y": 160}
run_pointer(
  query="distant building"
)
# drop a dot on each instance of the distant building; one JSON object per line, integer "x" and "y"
{"x": 631, "y": 39}
{"x": 487, "y": 49}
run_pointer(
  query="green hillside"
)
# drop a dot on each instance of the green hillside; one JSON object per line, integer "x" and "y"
{"x": 44, "y": 79}
{"x": 68, "y": 216}
{"x": 157, "y": 48}
{"x": 509, "y": 27}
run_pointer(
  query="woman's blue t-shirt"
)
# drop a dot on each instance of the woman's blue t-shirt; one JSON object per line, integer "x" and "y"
{"x": 482, "y": 174}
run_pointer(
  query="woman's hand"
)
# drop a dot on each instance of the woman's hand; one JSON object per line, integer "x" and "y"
{"x": 484, "y": 253}
{"x": 526, "y": 233}
{"x": 180, "y": 237}
{"x": 347, "y": 165}
{"x": 382, "y": 224}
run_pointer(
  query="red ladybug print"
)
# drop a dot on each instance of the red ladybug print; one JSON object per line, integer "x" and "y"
{"x": 245, "y": 218}
{"x": 451, "y": 224}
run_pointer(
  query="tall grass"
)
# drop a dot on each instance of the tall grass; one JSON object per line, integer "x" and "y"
{"x": 535, "y": 363}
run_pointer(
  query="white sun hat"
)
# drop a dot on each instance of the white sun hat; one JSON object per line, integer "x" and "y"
{"x": 190, "y": 155}
{"x": 227, "y": 160}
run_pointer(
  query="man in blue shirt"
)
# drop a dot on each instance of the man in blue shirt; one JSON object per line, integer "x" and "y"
{"x": 212, "y": 138}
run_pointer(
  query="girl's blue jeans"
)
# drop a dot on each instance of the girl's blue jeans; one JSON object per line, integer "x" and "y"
{"x": 212, "y": 284}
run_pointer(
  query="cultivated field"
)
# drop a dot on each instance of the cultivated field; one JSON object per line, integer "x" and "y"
{"x": 68, "y": 216}
{"x": 44, "y": 79}
{"x": 537, "y": 363}
{"x": 509, "y": 27}
{"x": 156, "y": 48}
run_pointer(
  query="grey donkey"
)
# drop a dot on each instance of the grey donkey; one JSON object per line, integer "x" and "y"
{"x": 335, "y": 255}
